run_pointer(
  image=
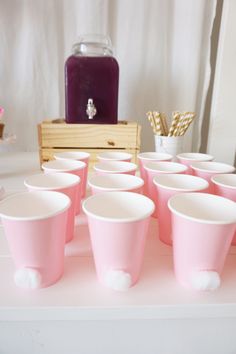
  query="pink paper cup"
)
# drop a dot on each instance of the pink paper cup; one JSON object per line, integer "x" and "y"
{"x": 118, "y": 225}
{"x": 66, "y": 183}
{"x": 145, "y": 157}
{"x": 78, "y": 156}
{"x": 35, "y": 227}
{"x": 203, "y": 226}
{"x": 69, "y": 166}
{"x": 114, "y": 156}
{"x": 225, "y": 186}
{"x": 166, "y": 187}
{"x": 107, "y": 167}
{"x": 159, "y": 168}
{"x": 208, "y": 169}
{"x": 115, "y": 182}
{"x": 187, "y": 158}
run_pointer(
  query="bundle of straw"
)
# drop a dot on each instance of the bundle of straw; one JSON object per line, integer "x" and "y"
{"x": 179, "y": 124}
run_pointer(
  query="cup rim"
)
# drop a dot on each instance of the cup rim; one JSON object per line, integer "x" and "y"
{"x": 59, "y": 155}
{"x": 157, "y": 181}
{"x": 216, "y": 179}
{"x": 92, "y": 181}
{"x": 127, "y": 166}
{"x": 182, "y": 168}
{"x": 173, "y": 199}
{"x": 73, "y": 165}
{"x": 142, "y": 156}
{"x": 102, "y": 155}
{"x": 30, "y": 183}
{"x": 205, "y": 157}
{"x": 40, "y": 217}
{"x": 148, "y": 212}
{"x": 199, "y": 166}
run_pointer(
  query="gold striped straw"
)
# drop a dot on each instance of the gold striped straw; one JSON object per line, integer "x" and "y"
{"x": 179, "y": 124}
{"x": 189, "y": 116}
{"x": 164, "y": 123}
{"x": 151, "y": 120}
{"x": 175, "y": 119}
{"x": 157, "y": 122}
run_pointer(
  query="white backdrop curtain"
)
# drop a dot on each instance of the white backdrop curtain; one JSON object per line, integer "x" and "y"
{"x": 162, "y": 46}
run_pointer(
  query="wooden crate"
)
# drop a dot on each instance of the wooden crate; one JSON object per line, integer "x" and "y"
{"x": 57, "y": 136}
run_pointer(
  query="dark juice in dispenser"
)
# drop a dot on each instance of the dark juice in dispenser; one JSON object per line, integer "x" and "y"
{"x": 91, "y": 84}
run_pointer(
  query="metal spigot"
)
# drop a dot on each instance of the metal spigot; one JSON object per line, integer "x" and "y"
{"x": 91, "y": 109}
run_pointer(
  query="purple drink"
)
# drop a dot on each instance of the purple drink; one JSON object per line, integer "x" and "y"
{"x": 91, "y": 84}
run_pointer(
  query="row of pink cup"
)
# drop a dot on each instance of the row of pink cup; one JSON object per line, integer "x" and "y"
{"x": 118, "y": 222}
{"x": 201, "y": 225}
{"x": 163, "y": 179}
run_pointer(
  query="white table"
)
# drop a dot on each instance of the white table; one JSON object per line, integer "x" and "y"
{"x": 78, "y": 315}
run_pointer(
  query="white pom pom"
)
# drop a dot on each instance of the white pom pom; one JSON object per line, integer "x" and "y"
{"x": 27, "y": 278}
{"x": 205, "y": 280}
{"x": 118, "y": 280}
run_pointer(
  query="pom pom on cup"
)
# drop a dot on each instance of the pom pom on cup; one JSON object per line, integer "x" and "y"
{"x": 205, "y": 280}
{"x": 27, "y": 278}
{"x": 118, "y": 280}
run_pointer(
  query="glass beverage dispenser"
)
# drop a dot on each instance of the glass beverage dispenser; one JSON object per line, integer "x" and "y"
{"x": 91, "y": 82}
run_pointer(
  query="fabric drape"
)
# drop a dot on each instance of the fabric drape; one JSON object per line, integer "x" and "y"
{"x": 162, "y": 46}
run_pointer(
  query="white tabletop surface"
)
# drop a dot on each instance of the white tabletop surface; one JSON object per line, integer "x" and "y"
{"x": 78, "y": 295}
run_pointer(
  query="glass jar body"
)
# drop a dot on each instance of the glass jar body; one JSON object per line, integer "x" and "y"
{"x": 91, "y": 73}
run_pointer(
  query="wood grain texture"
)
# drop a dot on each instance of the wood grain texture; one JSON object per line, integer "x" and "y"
{"x": 57, "y": 136}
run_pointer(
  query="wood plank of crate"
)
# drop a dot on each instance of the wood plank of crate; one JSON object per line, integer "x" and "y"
{"x": 122, "y": 135}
